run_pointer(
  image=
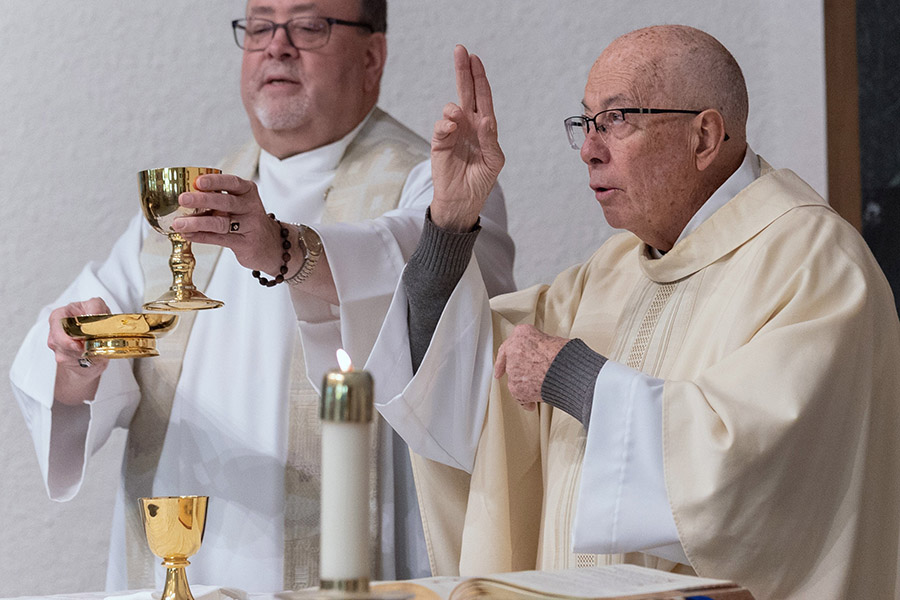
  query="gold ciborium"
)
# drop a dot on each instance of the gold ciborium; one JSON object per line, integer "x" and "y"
{"x": 174, "y": 528}
{"x": 160, "y": 189}
{"x": 120, "y": 335}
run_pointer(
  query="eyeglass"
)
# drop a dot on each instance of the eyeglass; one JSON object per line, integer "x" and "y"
{"x": 303, "y": 33}
{"x": 611, "y": 123}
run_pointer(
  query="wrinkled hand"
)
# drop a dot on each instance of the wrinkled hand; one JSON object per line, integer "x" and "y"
{"x": 525, "y": 357}
{"x": 67, "y": 351}
{"x": 256, "y": 243}
{"x": 465, "y": 155}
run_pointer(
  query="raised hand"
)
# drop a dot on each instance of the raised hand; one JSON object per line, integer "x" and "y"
{"x": 525, "y": 357}
{"x": 465, "y": 155}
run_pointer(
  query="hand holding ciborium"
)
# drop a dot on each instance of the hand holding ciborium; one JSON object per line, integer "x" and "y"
{"x": 160, "y": 189}
{"x": 174, "y": 527}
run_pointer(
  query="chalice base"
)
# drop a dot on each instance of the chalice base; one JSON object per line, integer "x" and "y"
{"x": 125, "y": 347}
{"x": 183, "y": 299}
{"x": 176, "y": 587}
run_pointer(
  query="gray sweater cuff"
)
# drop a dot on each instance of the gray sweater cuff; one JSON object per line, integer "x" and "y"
{"x": 430, "y": 277}
{"x": 569, "y": 383}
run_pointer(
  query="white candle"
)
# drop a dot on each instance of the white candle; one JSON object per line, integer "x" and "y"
{"x": 346, "y": 411}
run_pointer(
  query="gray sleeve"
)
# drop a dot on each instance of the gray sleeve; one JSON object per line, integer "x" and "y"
{"x": 429, "y": 279}
{"x": 569, "y": 382}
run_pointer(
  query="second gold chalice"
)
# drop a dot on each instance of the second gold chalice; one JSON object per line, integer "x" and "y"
{"x": 174, "y": 527}
{"x": 160, "y": 189}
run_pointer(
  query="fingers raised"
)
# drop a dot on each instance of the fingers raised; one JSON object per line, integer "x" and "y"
{"x": 465, "y": 85}
{"x": 484, "y": 100}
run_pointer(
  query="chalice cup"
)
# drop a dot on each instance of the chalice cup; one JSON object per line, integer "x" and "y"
{"x": 174, "y": 528}
{"x": 160, "y": 189}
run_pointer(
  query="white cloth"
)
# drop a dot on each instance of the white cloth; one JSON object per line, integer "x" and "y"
{"x": 227, "y": 433}
{"x": 624, "y": 439}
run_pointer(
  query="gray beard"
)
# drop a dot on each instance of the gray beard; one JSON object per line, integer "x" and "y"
{"x": 282, "y": 117}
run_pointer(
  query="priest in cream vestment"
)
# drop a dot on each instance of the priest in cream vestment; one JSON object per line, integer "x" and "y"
{"x": 226, "y": 410}
{"x": 713, "y": 391}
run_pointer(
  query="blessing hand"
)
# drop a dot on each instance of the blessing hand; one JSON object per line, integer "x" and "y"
{"x": 525, "y": 357}
{"x": 465, "y": 155}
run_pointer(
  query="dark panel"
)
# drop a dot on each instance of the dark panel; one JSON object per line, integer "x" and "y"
{"x": 878, "y": 47}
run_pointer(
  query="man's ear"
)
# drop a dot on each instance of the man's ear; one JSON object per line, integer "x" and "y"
{"x": 708, "y": 136}
{"x": 376, "y": 56}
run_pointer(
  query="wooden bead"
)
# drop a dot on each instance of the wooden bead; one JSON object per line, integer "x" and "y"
{"x": 285, "y": 258}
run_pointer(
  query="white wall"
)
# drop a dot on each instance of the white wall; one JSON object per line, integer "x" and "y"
{"x": 92, "y": 92}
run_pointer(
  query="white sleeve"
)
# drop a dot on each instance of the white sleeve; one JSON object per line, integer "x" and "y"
{"x": 622, "y": 500}
{"x": 65, "y": 437}
{"x": 367, "y": 259}
{"x": 426, "y": 409}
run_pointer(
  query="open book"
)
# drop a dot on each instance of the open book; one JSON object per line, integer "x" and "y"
{"x": 612, "y": 582}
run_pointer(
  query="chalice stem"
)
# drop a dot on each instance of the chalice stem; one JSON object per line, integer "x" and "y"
{"x": 182, "y": 263}
{"x": 176, "y": 587}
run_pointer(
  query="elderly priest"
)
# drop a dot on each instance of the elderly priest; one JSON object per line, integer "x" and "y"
{"x": 713, "y": 391}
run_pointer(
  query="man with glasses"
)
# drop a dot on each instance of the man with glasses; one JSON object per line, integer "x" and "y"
{"x": 713, "y": 391}
{"x": 226, "y": 409}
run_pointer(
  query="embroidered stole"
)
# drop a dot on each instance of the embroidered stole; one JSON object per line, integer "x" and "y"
{"x": 368, "y": 183}
{"x": 650, "y": 330}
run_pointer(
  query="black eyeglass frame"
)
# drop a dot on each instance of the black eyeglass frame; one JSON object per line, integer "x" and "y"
{"x": 242, "y": 24}
{"x": 624, "y": 111}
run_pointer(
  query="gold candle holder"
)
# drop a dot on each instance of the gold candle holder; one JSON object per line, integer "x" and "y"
{"x": 160, "y": 189}
{"x": 174, "y": 528}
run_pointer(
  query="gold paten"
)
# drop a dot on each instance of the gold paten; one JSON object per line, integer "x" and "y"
{"x": 347, "y": 397}
{"x": 119, "y": 336}
{"x": 174, "y": 527}
{"x": 160, "y": 189}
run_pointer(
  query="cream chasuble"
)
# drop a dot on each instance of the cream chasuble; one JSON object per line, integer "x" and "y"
{"x": 367, "y": 184}
{"x": 776, "y": 336}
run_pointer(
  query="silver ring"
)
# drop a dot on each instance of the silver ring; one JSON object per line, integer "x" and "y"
{"x": 84, "y": 362}
{"x": 235, "y": 226}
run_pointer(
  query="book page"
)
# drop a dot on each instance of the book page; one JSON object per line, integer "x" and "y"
{"x": 608, "y": 580}
{"x": 429, "y": 588}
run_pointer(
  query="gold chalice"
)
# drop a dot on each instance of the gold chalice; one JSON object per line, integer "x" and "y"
{"x": 174, "y": 528}
{"x": 160, "y": 189}
{"x": 120, "y": 335}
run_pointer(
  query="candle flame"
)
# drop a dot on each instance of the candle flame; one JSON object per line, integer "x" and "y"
{"x": 344, "y": 360}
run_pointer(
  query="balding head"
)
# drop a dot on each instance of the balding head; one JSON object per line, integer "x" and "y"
{"x": 652, "y": 171}
{"x": 677, "y": 65}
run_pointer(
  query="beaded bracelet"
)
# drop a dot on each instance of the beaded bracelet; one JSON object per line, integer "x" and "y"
{"x": 286, "y": 257}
